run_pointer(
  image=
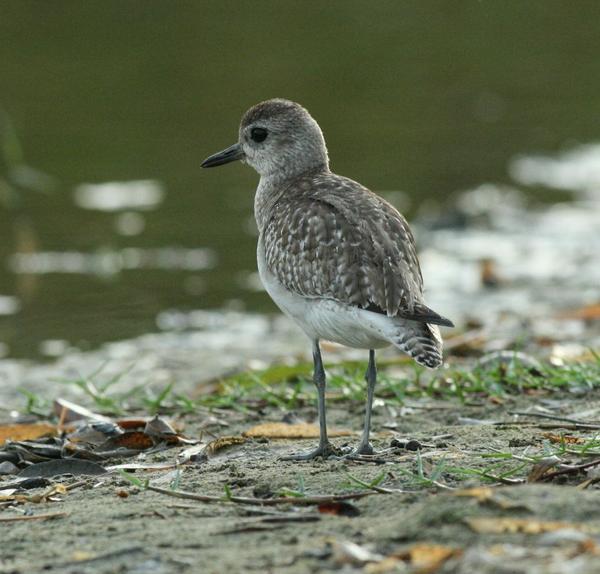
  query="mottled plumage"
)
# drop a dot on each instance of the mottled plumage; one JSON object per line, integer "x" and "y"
{"x": 333, "y": 238}
{"x": 334, "y": 256}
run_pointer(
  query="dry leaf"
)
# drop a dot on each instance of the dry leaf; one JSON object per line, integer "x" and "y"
{"x": 480, "y": 493}
{"x": 132, "y": 424}
{"x": 562, "y": 438}
{"x": 487, "y": 495}
{"x": 346, "y": 552}
{"x": 293, "y": 431}
{"x": 160, "y": 428}
{"x": 223, "y": 442}
{"x": 341, "y": 508}
{"x": 524, "y": 526}
{"x": 133, "y": 466}
{"x": 82, "y": 555}
{"x": 60, "y": 466}
{"x": 192, "y": 454}
{"x": 489, "y": 273}
{"x": 22, "y": 517}
{"x": 136, "y": 440}
{"x": 540, "y": 468}
{"x": 427, "y": 558}
{"x": 7, "y": 467}
{"x": 29, "y": 431}
{"x": 389, "y": 564}
{"x": 588, "y": 546}
{"x": 95, "y": 432}
{"x": 69, "y": 412}
{"x": 587, "y": 313}
{"x": 37, "y": 498}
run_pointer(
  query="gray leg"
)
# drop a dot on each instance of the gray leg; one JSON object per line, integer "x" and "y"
{"x": 325, "y": 448}
{"x": 364, "y": 447}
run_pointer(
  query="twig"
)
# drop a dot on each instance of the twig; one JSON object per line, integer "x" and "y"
{"x": 100, "y": 557}
{"x": 554, "y": 418}
{"x": 442, "y": 485}
{"x": 253, "y": 527}
{"x": 547, "y": 426}
{"x": 586, "y": 483}
{"x": 77, "y": 484}
{"x": 299, "y": 501}
{"x": 269, "y": 522}
{"x": 572, "y": 469}
{"x": 569, "y": 426}
{"x": 48, "y": 516}
{"x": 502, "y": 479}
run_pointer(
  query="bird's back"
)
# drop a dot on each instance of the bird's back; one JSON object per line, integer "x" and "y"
{"x": 326, "y": 236}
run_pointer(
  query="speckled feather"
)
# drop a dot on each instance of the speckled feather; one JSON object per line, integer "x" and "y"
{"x": 330, "y": 237}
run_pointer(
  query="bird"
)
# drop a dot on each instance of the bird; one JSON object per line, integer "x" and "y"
{"x": 334, "y": 256}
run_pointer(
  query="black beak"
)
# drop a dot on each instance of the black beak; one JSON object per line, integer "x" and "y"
{"x": 232, "y": 153}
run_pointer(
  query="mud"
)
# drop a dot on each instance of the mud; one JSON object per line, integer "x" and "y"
{"x": 114, "y": 526}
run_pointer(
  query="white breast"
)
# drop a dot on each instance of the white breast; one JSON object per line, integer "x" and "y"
{"x": 325, "y": 318}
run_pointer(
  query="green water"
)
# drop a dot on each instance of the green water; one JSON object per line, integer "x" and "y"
{"x": 426, "y": 97}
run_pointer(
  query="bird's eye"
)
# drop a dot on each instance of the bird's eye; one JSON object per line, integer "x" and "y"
{"x": 258, "y": 134}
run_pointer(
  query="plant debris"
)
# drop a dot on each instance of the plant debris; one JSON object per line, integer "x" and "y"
{"x": 26, "y": 431}
{"x": 291, "y": 431}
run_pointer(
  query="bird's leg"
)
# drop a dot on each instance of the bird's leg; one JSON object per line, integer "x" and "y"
{"x": 325, "y": 448}
{"x": 364, "y": 446}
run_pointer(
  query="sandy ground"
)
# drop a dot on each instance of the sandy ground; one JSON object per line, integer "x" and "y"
{"x": 111, "y": 525}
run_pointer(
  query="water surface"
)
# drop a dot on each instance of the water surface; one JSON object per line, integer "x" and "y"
{"x": 423, "y": 99}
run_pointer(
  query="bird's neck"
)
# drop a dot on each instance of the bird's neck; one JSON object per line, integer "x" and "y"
{"x": 271, "y": 188}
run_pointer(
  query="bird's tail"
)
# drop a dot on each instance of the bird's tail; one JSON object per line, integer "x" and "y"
{"x": 420, "y": 341}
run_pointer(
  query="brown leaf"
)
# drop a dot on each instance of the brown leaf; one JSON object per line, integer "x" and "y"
{"x": 132, "y": 424}
{"x": 487, "y": 495}
{"x": 489, "y": 273}
{"x": 341, "y": 508}
{"x": 588, "y": 546}
{"x": 426, "y": 558}
{"x": 37, "y": 498}
{"x": 135, "y": 440}
{"x": 223, "y": 442}
{"x": 389, "y": 564}
{"x": 586, "y": 313}
{"x": 524, "y": 526}
{"x": 480, "y": 493}
{"x": 294, "y": 431}
{"x": 28, "y": 431}
{"x": 563, "y": 438}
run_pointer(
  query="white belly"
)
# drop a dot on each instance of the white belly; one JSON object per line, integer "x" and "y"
{"x": 325, "y": 318}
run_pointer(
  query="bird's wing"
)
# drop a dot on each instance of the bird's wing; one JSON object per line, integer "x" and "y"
{"x": 332, "y": 238}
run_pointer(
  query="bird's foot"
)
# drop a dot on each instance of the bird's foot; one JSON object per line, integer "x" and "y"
{"x": 364, "y": 452}
{"x": 322, "y": 451}
{"x": 364, "y": 448}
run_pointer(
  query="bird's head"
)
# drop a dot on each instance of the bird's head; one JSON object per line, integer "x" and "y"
{"x": 278, "y": 138}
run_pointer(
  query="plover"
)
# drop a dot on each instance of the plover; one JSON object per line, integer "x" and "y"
{"x": 334, "y": 256}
